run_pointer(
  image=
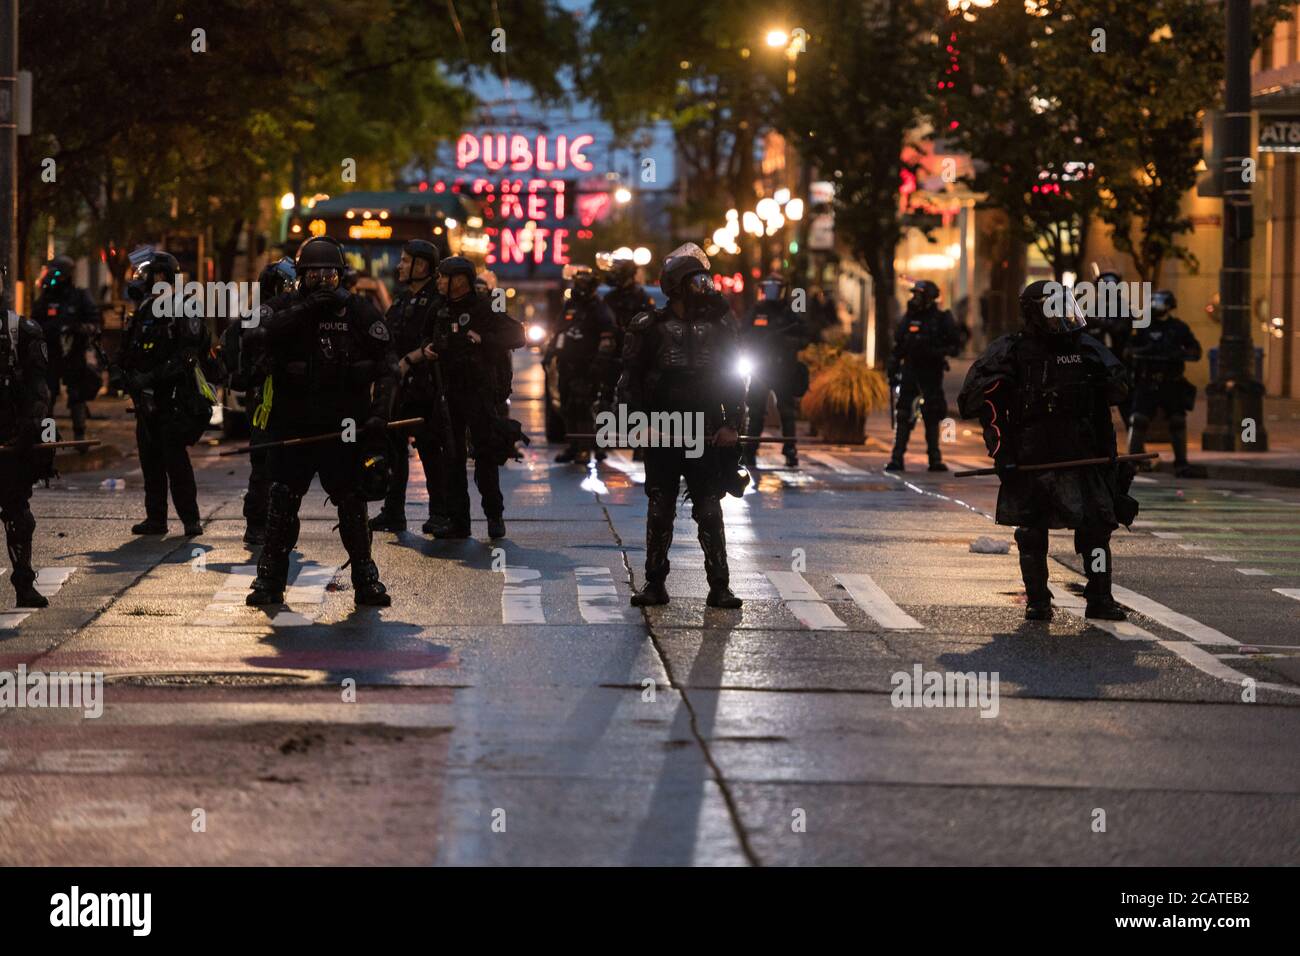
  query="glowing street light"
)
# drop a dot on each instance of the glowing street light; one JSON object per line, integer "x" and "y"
{"x": 782, "y": 196}
{"x": 794, "y": 210}
{"x": 778, "y": 39}
{"x": 767, "y": 209}
{"x": 642, "y": 256}
{"x": 753, "y": 225}
{"x": 622, "y": 195}
{"x": 288, "y": 201}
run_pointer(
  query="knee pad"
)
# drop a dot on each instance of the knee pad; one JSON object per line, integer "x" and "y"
{"x": 1031, "y": 540}
{"x": 661, "y": 504}
{"x": 20, "y": 522}
{"x": 706, "y": 511}
{"x": 283, "y": 500}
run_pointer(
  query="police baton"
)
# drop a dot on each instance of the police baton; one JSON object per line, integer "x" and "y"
{"x": 741, "y": 439}
{"x": 310, "y": 439}
{"x": 79, "y": 443}
{"x": 1077, "y": 463}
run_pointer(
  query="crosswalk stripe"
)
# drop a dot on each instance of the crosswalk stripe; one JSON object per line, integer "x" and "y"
{"x": 47, "y": 584}
{"x": 837, "y": 465}
{"x": 1254, "y": 572}
{"x": 803, "y": 601}
{"x": 871, "y": 597}
{"x": 521, "y": 603}
{"x": 1076, "y": 606}
{"x": 1187, "y": 626}
{"x": 598, "y": 599}
{"x": 1293, "y": 593}
{"x": 1204, "y": 661}
{"x": 308, "y": 588}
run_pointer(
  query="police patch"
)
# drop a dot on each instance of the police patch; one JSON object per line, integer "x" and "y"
{"x": 379, "y": 331}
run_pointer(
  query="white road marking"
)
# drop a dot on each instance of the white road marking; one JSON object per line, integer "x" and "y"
{"x": 521, "y": 603}
{"x": 1221, "y": 558}
{"x": 598, "y": 600}
{"x": 1255, "y": 572}
{"x": 1075, "y": 605}
{"x": 871, "y": 597}
{"x": 803, "y": 601}
{"x": 1187, "y": 626}
{"x": 308, "y": 588}
{"x": 635, "y": 470}
{"x": 1144, "y": 480}
{"x": 47, "y": 584}
{"x": 84, "y": 761}
{"x": 1293, "y": 593}
{"x": 1204, "y": 661}
{"x": 1165, "y": 534}
{"x": 838, "y": 465}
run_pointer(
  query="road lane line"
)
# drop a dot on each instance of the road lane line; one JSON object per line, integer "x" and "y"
{"x": 1187, "y": 626}
{"x": 878, "y": 605}
{"x": 521, "y": 603}
{"x": 803, "y": 601}
{"x": 1255, "y": 572}
{"x": 47, "y": 584}
{"x": 1293, "y": 593}
{"x": 837, "y": 465}
{"x": 1075, "y": 605}
{"x": 598, "y": 600}
{"x": 1206, "y": 662}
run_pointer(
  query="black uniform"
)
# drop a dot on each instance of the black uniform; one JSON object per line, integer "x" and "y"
{"x": 471, "y": 376}
{"x": 625, "y": 302}
{"x": 71, "y": 322}
{"x": 583, "y": 353}
{"x": 686, "y": 364}
{"x": 411, "y": 319}
{"x": 926, "y": 337}
{"x": 1157, "y": 357}
{"x": 157, "y": 367}
{"x": 1045, "y": 398}
{"x": 772, "y": 336}
{"x": 24, "y": 403}
{"x": 331, "y": 362}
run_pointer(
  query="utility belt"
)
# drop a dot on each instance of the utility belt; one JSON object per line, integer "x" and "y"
{"x": 330, "y": 374}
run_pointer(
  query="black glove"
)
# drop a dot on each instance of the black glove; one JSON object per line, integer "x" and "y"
{"x": 145, "y": 404}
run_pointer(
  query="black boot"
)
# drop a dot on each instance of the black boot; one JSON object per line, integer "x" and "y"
{"x": 18, "y": 537}
{"x": 713, "y": 541}
{"x": 496, "y": 527}
{"x": 436, "y": 525}
{"x": 569, "y": 454}
{"x": 149, "y": 526}
{"x": 255, "y": 535}
{"x": 388, "y": 521}
{"x": 932, "y": 446}
{"x": 1031, "y": 543}
{"x": 658, "y": 539}
{"x": 791, "y": 456}
{"x": 1178, "y": 437}
{"x": 355, "y": 534}
{"x": 1101, "y": 604}
{"x": 281, "y": 536}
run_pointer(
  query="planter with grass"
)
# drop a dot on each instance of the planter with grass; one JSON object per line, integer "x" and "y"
{"x": 841, "y": 396}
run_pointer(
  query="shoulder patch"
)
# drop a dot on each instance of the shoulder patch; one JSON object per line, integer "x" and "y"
{"x": 378, "y": 330}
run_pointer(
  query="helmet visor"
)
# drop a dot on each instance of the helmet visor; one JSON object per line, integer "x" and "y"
{"x": 1061, "y": 313}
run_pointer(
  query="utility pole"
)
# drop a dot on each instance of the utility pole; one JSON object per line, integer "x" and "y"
{"x": 1234, "y": 398}
{"x": 9, "y": 145}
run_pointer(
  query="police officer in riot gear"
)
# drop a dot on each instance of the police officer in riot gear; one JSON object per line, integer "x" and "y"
{"x": 333, "y": 367}
{"x": 1157, "y": 357}
{"x": 583, "y": 352}
{"x": 247, "y": 371}
{"x": 410, "y": 320}
{"x": 158, "y": 368}
{"x": 626, "y": 299}
{"x": 468, "y": 339}
{"x": 1044, "y": 395}
{"x": 24, "y": 404}
{"x": 771, "y": 337}
{"x": 71, "y": 323}
{"x": 682, "y": 358}
{"x": 926, "y": 337}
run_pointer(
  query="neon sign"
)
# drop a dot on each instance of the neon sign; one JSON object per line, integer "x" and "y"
{"x": 518, "y": 152}
{"x": 370, "y": 229}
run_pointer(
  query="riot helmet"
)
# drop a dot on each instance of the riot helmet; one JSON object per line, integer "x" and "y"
{"x": 771, "y": 288}
{"x": 451, "y": 267}
{"x": 58, "y": 274}
{"x": 277, "y": 278}
{"x": 420, "y": 249}
{"x": 924, "y": 294}
{"x": 320, "y": 263}
{"x": 681, "y": 264}
{"x": 1162, "y": 304}
{"x": 151, "y": 267}
{"x": 584, "y": 285}
{"x": 1049, "y": 308}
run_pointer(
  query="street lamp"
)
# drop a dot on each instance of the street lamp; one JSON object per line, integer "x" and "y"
{"x": 622, "y": 195}
{"x": 288, "y": 201}
{"x": 777, "y": 39}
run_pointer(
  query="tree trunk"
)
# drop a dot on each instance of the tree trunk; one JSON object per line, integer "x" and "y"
{"x": 880, "y": 263}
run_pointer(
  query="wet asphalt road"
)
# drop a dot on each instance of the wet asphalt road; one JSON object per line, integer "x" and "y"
{"x": 511, "y": 708}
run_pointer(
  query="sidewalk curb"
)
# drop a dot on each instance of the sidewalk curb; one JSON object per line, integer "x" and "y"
{"x": 100, "y": 456}
{"x": 1232, "y": 471}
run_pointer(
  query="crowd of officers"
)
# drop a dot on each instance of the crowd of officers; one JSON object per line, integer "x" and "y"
{"x": 319, "y": 360}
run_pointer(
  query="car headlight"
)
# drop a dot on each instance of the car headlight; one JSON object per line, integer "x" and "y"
{"x": 744, "y": 366}
{"x": 536, "y": 333}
